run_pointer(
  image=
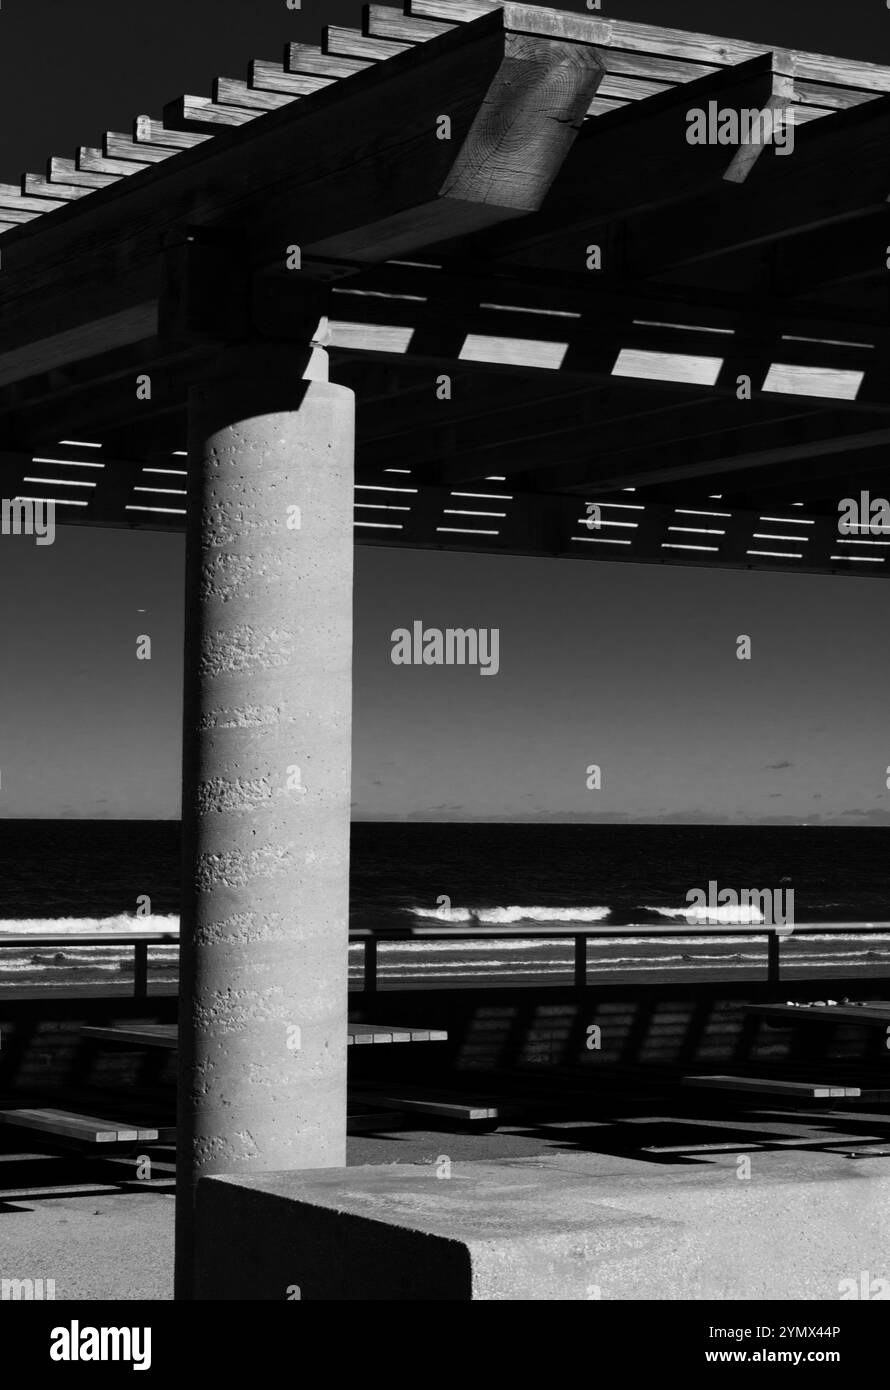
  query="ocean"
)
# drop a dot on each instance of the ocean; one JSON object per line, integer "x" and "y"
{"x": 72, "y": 877}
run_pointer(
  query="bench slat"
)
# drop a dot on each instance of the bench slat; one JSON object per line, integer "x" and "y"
{"x": 88, "y": 1128}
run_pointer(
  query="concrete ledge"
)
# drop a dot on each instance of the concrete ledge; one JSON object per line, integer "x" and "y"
{"x": 578, "y": 1226}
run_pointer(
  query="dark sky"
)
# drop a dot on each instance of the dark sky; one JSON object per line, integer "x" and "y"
{"x": 631, "y": 667}
{"x": 71, "y": 69}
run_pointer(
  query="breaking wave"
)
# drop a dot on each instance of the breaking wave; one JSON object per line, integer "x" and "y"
{"x": 728, "y": 913}
{"x": 505, "y": 916}
{"x": 86, "y": 926}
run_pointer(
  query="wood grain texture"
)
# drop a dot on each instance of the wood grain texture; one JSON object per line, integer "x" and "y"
{"x": 259, "y": 176}
{"x": 87, "y": 1128}
{"x": 272, "y": 77}
{"x": 230, "y": 91}
{"x": 349, "y": 43}
{"x": 527, "y": 124}
{"x": 203, "y": 115}
{"x": 664, "y": 45}
{"x": 97, "y": 161}
{"x": 65, "y": 171}
{"x": 116, "y": 145}
{"x": 385, "y": 22}
{"x": 16, "y": 214}
{"x": 35, "y": 186}
{"x": 11, "y": 196}
{"x": 152, "y": 132}
{"x": 302, "y": 57}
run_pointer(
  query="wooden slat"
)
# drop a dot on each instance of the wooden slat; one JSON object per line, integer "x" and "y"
{"x": 202, "y": 114}
{"x": 841, "y": 72}
{"x": 662, "y": 45}
{"x": 147, "y": 131}
{"x": 601, "y": 106}
{"x": 708, "y": 48}
{"x": 301, "y": 57}
{"x": 630, "y": 88}
{"x": 163, "y": 1035}
{"x": 230, "y": 91}
{"x": 34, "y": 186}
{"x": 453, "y": 11}
{"x": 271, "y": 77}
{"x": 92, "y": 159}
{"x": 11, "y": 196}
{"x": 446, "y": 1106}
{"x": 362, "y": 1035}
{"x": 830, "y": 98}
{"x": 349, "y": 43}
{"x": 652, "y": 65}
{"x": 68, "y": 1125}
{"x": 866, "y": 1015}
{"x": 18, "y": 215}
{"x": 384, "y": 22}
{"x": 521, "y": 19}
{"x": 772, "y": 1086}
{"x": 116, "y": 145}
{"x": 77, "y": 181}
{"x": 382, "y": 1033}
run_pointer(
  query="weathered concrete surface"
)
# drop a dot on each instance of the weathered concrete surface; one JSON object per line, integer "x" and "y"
{"x": 266, "y": 772}
{"x": 561, "y": 1227}
{"x": 96, "y": 1246}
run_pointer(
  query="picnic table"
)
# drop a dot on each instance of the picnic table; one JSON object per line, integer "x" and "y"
{"x": 357, "y": 1034}
{"x": 874, "y": 1015}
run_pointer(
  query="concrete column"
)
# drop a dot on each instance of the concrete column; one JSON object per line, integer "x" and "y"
{"x": 266, "y": 773}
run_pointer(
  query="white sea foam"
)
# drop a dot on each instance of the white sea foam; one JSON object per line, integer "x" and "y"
{"x": 724, "y": 913}
{"x": 86, "y": 926}
{"x": 506, "y": 916}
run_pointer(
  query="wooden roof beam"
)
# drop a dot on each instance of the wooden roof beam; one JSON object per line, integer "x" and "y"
{"x": 513, "y": 104}
{"x": 785, "y": 197}
{"x": 617, "y": 350}
{"x": 637, "y": 42}
{"x": 636, "y": 160}
{"x": 674, "y": 465}
{"x": 503, "y": 160}
{"x": 843, "y": 253}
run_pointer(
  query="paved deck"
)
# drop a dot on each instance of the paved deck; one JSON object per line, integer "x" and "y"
{"x": 119, "y": 1245}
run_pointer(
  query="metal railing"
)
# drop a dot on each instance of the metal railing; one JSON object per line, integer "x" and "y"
{"x": 580, "y": 936}
{"x": 369, "y": 938}
{"x": 140, "y": 941}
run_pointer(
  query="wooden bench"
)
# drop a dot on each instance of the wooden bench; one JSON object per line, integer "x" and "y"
{"x": 86, "y": 1129}
{"x": 775, "y": 1086}
{"x": 865, "y": 1015}
{"x": 357, "y": 1034}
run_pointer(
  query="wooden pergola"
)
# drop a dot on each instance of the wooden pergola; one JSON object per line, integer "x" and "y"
{"x": 468, "y": 258}
{"x": 482, "y": 227}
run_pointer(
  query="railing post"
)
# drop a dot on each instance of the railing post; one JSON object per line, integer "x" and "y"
{"x": 370, "y": 965}
{"x": 581, "y": 961}
{"x": 140, "y": 970}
